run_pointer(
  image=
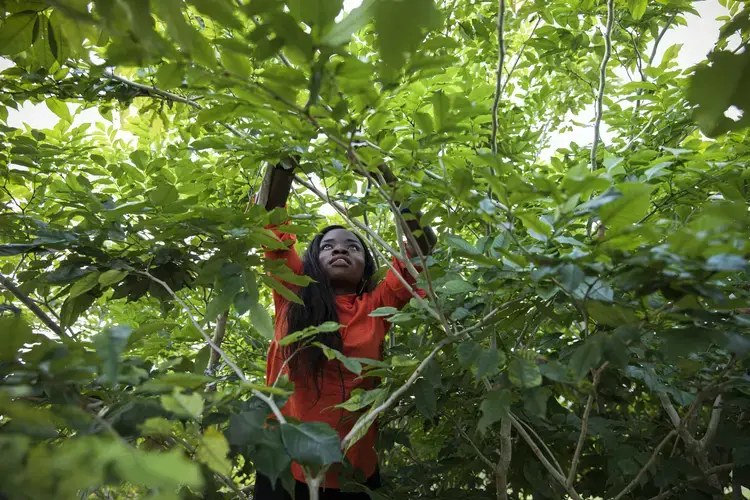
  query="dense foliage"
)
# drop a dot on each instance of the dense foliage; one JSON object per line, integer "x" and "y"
{"x": 585, "y": 331}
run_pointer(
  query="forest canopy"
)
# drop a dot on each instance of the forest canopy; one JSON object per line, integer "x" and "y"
{"x": 585, "y": 331}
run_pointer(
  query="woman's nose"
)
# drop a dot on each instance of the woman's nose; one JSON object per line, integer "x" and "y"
{"x": 340, "y": 249}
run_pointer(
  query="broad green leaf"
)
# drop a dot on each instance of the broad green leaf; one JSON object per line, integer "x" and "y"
{"x": 108, "y": 278}
{"x": 168, "y": 470}
{"x": 156, "y": 426}
{"x": 169, "y": 75}
{"x": 424, "y": 394}
{"x": 17, "y": 33}
{"x": 15, "y": 333}
{"x": 455, "y": 287}
{"x": 183, "y": 405}
{"x": 628, "y": 209}
{"x": 109, "y": 346}
{"x": 361, "y": 399}
{"x": 281, "y": 289}
{"x": 84, "y": 284}
{"x": 585, "y": 357}
{"x": 637, "y": 8}
{"x": 213, "y": 450}
{"x": 468, "y": 352}
{"x": 535, "y": 401}
{"x": 524, "y": 373}
{"x": 236, "y": 63}
{"x": 246, "y": 427}
{"x": 221, "y": 10}
{"x": 349, "y": 363}
{"x": 714, "y": 88}
{"x": 495, "y": 406}
{"x": 384, "y": 311}
{"x": 489, "y": 361}
{"x": 400, "y": 26}
{"x": 163, "y": 195}
{"x": 251, "y": 285}
{"x": 312, "y": 443}
{"x": 60, "y": 108}
{"x": 262, "y": 320}
{"x": 315, "y": 13}
{"x": 357, "y": 19}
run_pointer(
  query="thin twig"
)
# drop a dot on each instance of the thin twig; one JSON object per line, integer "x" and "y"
{"x": 479, "y": 453}
{"x": 520, "y": 53}
{"x": 219, "y": 331}
{"x": 646, "y": 466}
{"x": 240, "y": 374}
{"x": 603, "y": 79}
{"x": 547, "y": 465}
{"x": 585, "y": 425}
{"x": 499, "y": 73}
{"x": 26, "y": 300}
{"x": 370, "y": 416}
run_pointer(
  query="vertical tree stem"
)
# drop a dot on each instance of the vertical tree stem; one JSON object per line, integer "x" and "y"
{"x": 499, "y": 74}
{"x": 603, "y": 79}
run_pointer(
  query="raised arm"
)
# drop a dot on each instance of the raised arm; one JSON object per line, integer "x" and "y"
{"x": 425, "y": 236}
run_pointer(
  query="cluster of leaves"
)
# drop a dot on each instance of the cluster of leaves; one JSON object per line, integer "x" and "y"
{"x": 583, "y": 304}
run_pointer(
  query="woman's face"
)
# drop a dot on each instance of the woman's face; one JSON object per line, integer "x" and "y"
{"x": 343, "y": 259}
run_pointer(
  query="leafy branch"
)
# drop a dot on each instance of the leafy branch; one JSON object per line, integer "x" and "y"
{"x": 26, "y": 300}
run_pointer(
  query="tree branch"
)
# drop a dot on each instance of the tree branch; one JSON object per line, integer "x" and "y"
{"x": 26, "y": 300}
{"x": 219, "y": 331}
{"x": 479, "y": 453}
{"x": 646, "y": 466}
{"x": 584, "y": 425}
{"x": 713, "y": 424}
{"x": 603, "y": 79}
{"x": 365, "y": 421}
{"x": 658, "y": 39}
{"x": 708, "y": 472}
{"x": 554, "y": 473}
{"x": 506, "y": 453}
{"x": 266, "y": 399}
{"x": 499, "y": 73}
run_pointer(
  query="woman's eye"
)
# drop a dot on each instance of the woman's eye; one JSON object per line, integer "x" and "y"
{"x": 353, "y": 247}
{"x": 327, "y": 247}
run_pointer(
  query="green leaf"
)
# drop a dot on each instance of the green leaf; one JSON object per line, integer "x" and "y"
{"x": 269, "y": 454}
{"x": 400, "y": 27}
{"x": 361, "y": 399}
{"x": 109, "y": 346}
{"x": 168, "y": 470}
{"x": 14, "y": 332}
{"x": 350, "y": 364}
{"x": 186, "y": 36}
{"x": 585, "y": 357}
{"x": 84, "y": 284}
{"x": 535, "y": 401}
{"x": 384, "y": 311}
{"x": 489, "y": 361}
{"x": 495, "y": 406}
{"x": 524, "y": 373}
{"x": 631, "y": 207}
{"x": 441, "y": 108}
{"x": 315, "y": 13}
{"x": 455, "y": 287}
{"x": 111, "y": 277}
{"x": 60, "y": 108}
{"x": 468, "y": 352}
{"x": 213, "y": 450}
{"x": 246, "y": 427}
{"x": 311, "y": 443}
{"x": 281, "y": 289}
{"x": 251, "y": 285}
{"x": 163, "y": 195}
{"x": 637, "y": 8}
{"x": 236, "y": 64}
{"x": 156, "y": 426}
{"x": 221, "y": 10}
{"x": 424, "y": 394}
{"x": 169, "y": 75}
{"x": 17, "y": 33}
{"x": 356, "y": 20}
{"x": 183, "y": 405}
{"x": 262, "y": 320}
{"x": 713, "y": 89}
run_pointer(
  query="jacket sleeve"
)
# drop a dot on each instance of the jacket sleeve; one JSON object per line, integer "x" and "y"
{"x": 292, "y": 261}
{"x": 392, "y": 292}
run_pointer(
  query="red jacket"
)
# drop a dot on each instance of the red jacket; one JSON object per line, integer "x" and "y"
{"x": 363, "y": 337}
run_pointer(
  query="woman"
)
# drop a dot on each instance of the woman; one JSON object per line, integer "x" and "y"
{"x": 343, "y": 291}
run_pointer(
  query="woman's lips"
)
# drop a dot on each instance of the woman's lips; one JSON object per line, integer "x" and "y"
{"x": 340, "y": 262}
